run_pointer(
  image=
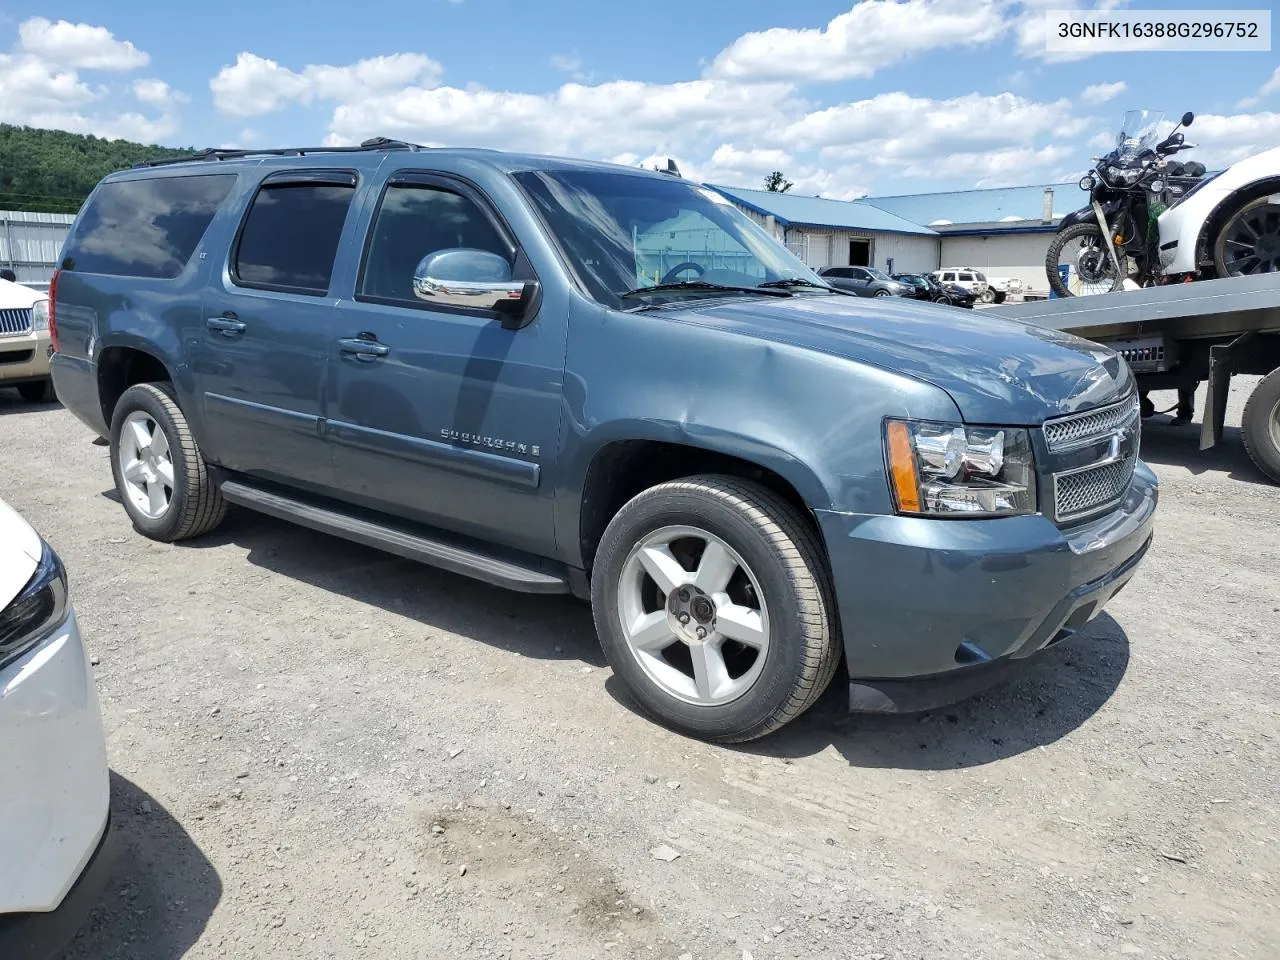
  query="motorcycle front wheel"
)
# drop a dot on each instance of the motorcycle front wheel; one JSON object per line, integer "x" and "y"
{"x": 1082, "y": 248}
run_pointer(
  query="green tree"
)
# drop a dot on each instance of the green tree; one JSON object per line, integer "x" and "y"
{"x": 53, "y": 171}
{"x": 777, "y": 183}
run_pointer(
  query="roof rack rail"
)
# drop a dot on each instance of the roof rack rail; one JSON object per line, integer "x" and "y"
{"x": 375, "y": 143}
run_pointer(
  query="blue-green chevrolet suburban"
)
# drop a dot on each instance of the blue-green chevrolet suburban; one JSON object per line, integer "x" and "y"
{"x": 569, "y": 377}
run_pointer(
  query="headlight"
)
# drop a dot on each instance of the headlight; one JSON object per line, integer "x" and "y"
{"x": 1156, "y": 186}
{"x": 947, "y": 469}
{"x": 1087, "y": 182}
{"x": 42, "y": 604}
{"x": 40, "y": 315}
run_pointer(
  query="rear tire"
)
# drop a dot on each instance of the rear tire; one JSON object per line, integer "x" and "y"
{"x": 776, "y": 582}
{"x": 1085, "y": 233}
{"x": 163, "y": 480}
{"x": 41, "y": 391}
{"x": 1261, "y": 425}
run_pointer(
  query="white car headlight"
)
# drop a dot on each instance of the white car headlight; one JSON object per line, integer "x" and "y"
{"x": 40, "y": 315}
{"x": 948, "y": 469}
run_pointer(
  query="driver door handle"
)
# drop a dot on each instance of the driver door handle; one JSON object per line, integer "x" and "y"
{"x": 361, "y": 349}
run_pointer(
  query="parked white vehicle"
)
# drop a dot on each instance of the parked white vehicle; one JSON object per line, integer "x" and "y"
{"x": 24, "y": 341}
{"x": 975, "y": 281}
{"x": 999, "y": 288}
{"x": 54, "y": 788}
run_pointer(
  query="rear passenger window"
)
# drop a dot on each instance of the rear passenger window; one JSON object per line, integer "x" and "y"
{"x": 948, "y": 277}
{"x": 290, "y": 237}
{"x": 145, "y": 228}
{"x": 415, "y": 220}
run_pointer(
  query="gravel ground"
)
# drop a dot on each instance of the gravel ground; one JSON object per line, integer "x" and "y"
{"x": 322, "y": 751}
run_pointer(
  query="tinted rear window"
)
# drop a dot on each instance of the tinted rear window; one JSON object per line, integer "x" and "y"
{"x": 290, "y": 237}
{"x": 145, "y": 228}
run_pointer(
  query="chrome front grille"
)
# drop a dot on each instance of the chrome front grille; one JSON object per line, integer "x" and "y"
{"x": 1090, "y": 427}
{"x": 15, "y": 323}
{"x": 1091, "y": 489}
{"x": 1092, "y": 457}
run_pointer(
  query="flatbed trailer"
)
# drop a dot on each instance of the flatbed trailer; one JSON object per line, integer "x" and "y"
{"x": 1176, "y": 336}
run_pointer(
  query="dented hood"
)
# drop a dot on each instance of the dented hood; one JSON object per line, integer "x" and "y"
{"x": 996, "y": 370}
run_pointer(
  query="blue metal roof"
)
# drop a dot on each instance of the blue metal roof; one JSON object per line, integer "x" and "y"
{"x": 994, "y": 205}
{"x": 789, "y": 208}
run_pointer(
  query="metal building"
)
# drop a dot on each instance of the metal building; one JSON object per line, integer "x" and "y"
{"x": 30, "y": 243}
{"x": 826, "y": 233}
{"x": 1004, "y": 231}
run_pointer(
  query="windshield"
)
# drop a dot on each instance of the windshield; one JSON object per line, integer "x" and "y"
{"x": 1139, "y": 131}
{"x": 624, "y": 231}
{"x": 878, "y": 274}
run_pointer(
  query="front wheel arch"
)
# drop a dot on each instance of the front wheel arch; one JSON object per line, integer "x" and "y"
{"x": 1220, "y": 214}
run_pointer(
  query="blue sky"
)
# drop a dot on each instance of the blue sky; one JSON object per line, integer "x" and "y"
{"x": 880, "y": 96}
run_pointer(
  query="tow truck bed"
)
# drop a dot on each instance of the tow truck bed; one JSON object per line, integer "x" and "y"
{"x": 1178, "y": 335}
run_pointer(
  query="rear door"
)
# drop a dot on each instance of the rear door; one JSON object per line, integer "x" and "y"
{"x": 268, "y": 325}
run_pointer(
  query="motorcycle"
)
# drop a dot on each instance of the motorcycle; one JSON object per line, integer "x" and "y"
{"x": 1152, "y": 220}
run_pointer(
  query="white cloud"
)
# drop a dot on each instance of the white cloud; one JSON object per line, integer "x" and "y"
{"x": 157, "y": 93}
{"x": 29, "y": 84}
{"x": 36, "y": 91}
{"x": 1227, "y": 139}
{"x": 1102, "y": 92}
{"x": 893, "y": 126}
{"x": 755, "y": 160}
{"x": 601, "y": 120}
{"x": 79, "y": 45}
{"x": 124, "y": 126}
{"x": 1271, "y": 86}
{"x": 869, "y": 36}
{"x": 255, "y": 85}
{"x": 1031, "y": 27}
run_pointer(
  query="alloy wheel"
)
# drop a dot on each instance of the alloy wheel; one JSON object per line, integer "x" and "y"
{"x": 1251, "y": 241}
{"x": 146, "y": 465}
{"x": 693, "y": 615}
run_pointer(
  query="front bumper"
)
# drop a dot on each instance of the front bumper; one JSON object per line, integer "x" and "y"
{"x": 44, "y": 936}
{"x": 54, "y": 790}
{"x": 24, "y": 358}
{"x": 935, "y": 610}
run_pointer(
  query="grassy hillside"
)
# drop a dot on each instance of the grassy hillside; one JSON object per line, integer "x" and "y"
{"x": 54, "y": 171}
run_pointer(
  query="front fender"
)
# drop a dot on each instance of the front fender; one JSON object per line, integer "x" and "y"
{"x": 813, "y": 419}
{"x": 1086, "y": 214}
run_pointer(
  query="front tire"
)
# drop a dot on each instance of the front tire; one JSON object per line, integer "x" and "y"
{"x": 882, "y": 293}
{"x": 159, "y": 471}
{"x": 712, "y": 602}
{"x": 988, "y": 296}
{"x": 1083, "y": 244}
{"x": 1261, "y": 425}
{"x": 1249, "y": 242}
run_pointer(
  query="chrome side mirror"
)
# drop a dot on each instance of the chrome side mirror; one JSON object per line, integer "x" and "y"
{"x": 464, "y": 277}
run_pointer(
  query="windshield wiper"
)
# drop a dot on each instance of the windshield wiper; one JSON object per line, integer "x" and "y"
{"x": 701, "y": 285}
{"x": 799, "y": 282}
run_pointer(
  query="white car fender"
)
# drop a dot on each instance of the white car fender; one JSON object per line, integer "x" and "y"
{"x": 1180, "y": 226}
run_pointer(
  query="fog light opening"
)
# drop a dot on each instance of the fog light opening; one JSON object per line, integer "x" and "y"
{"x": 969, "y": 653}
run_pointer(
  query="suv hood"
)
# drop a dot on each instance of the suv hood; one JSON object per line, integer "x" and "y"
{"x": 998, "y": 371}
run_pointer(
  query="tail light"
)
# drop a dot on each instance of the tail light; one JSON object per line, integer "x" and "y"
{"x": 53, "y": 318}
